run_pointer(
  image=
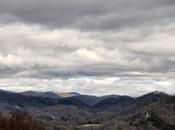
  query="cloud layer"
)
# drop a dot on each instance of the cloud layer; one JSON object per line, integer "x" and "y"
{"x": 84, "y": 45}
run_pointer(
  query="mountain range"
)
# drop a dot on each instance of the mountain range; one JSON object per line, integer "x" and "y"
{"x": 153, "y": 111}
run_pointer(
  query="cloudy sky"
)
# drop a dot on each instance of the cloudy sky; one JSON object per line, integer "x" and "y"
{"x": 94, "y": 47}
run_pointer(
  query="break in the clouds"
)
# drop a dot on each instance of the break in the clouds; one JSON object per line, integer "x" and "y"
{"x": 89, "y": 46}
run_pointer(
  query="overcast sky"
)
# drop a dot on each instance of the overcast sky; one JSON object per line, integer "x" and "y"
{"x": 97, "y": 47}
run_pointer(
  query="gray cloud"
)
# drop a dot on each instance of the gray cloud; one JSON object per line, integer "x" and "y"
{"x": 77, "y": 51}
{"x": 64, "y": 42}
{"x": 92, "y": 14}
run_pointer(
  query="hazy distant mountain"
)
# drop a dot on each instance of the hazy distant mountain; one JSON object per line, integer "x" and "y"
{"x": 111, "y": 100}
{"x": 87, "y": 99}
{"x": 13, "y": 100}
{"x": 41, "y": 94}
{"x": 53, "y": 95}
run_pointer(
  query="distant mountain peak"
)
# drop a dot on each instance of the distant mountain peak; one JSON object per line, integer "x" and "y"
{"x": 69, "y": 94}
{"x": 159, "y": 92}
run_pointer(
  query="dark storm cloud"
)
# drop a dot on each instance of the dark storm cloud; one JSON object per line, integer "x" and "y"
{"x": 89, "y": 14}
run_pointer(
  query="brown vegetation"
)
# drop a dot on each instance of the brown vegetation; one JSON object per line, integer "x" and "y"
{"x": 19, "y": 121}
